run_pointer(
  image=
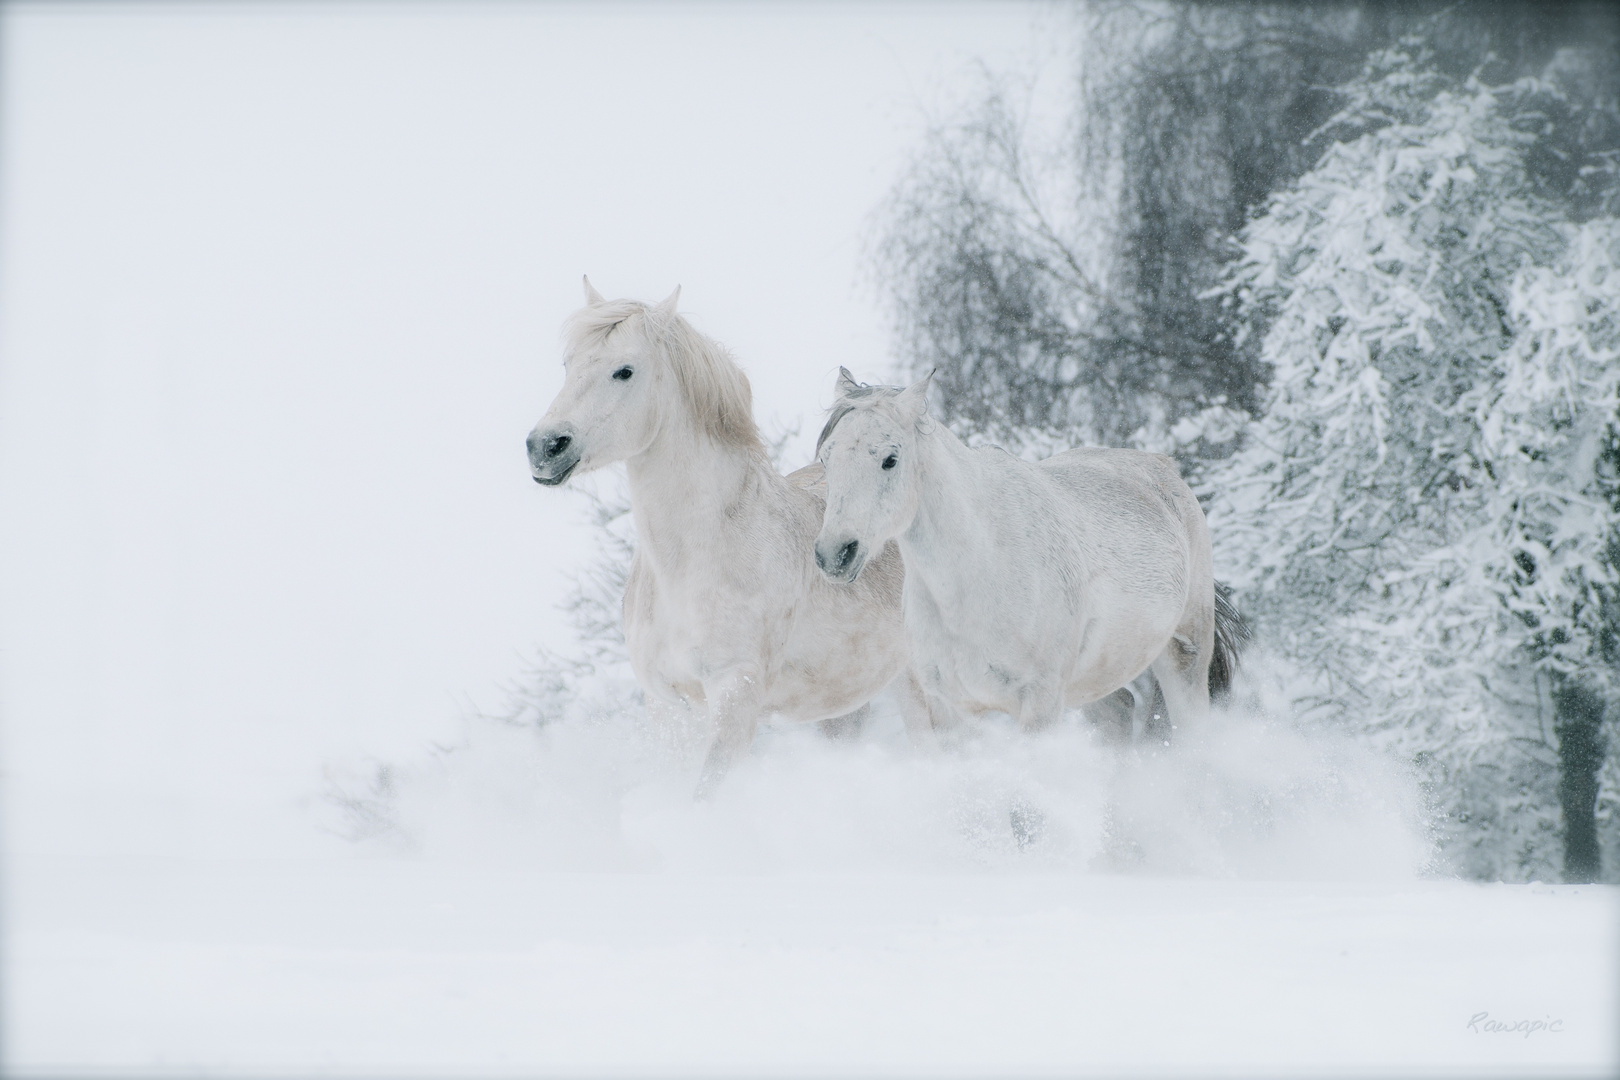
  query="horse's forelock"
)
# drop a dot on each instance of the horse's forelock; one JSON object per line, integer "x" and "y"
{"x": 590, "y": 326}
{"x": 840, "y": 410}
{"x": 859, "y": 396}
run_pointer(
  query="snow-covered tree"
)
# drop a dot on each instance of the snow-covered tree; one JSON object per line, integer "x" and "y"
{"x": 1422, "y": 512}
{"x": 1049, "y": 251}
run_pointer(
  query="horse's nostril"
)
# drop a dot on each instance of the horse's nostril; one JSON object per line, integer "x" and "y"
{"x": 846, "y": 554}
{"x": 557, "y": 445}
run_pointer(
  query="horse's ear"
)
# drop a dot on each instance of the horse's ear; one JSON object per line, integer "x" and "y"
{"x": 668, "y": 306}
{"x": 846, "y": 383}
{"x": 591, "y": 295}
{"x": 913, "y": 400}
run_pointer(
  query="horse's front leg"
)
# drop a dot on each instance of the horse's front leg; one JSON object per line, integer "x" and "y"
{"x": 920, "y": 712}
{"x": 734, "y": 704}
{"x": 1040, "y": 706}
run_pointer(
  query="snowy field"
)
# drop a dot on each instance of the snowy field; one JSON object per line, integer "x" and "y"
{"x": 435, "y": 968}
{"x": 557, "y": 905}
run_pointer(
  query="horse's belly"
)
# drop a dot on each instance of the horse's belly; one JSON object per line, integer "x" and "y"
{"x": 1116, "y": 650}
{"x": 1087, "y": 658}
{"x": 799, "y": 695}
{"x": 832, "y": 667}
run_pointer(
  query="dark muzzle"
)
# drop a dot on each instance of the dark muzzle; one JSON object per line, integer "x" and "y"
{"x": 552, "y": 456}
{"x": 841, "y": 562}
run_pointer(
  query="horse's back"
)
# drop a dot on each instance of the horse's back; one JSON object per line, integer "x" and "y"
{"x": 1133, "y": 484}
{"x": 1107, "y": 464}
{"x": 811, "y": 478}
{"x": 1136, "y": 514}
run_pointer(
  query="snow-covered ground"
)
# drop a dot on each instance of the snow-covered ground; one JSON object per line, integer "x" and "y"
{"x": 554, "y": 903}
{"x": 399, "y": 966}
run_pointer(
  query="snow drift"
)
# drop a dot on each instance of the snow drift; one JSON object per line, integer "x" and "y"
{"x": 609, "y": 787}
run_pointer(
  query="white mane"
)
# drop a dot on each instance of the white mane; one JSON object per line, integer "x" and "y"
{"x": 714, "y": 388}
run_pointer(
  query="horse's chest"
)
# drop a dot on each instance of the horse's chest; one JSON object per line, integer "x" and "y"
{"x": 679, "y": 634}
{"x": 667, "y": 658}
{"x": 961, "y": 662}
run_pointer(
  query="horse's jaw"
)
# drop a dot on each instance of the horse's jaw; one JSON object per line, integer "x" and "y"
{"x": 554, "y": 453}
{"x": 553, "y": 480}
{"x": 846, "y": 576}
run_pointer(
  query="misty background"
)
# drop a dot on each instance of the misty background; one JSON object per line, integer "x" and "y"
{"x": 281, "y": 290}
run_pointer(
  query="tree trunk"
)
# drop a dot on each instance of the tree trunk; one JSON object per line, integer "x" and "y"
{"x": 1578, "y": 723}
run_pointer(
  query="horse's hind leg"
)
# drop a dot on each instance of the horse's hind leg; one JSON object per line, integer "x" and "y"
{"x": 1150, "y": 714}
{"x": 1183, "y": 667}
{"x": 1182, "y": 671}
{"x": 847, "y": 726}
{"x": 1135, "y": 713}
{"x": 1157, "y": 723}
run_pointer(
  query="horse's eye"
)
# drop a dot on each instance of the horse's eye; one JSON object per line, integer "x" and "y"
{"x": 624, "y": 373}
{"x": 889, "y": 462}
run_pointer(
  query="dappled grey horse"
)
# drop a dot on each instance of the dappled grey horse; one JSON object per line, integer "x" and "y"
{"x": 1029, "y": 587}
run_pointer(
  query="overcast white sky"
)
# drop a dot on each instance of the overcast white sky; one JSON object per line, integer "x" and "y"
{"x": 279, "y": 298}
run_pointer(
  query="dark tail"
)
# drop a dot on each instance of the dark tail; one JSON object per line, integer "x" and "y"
{"x": 1231, "y": 635}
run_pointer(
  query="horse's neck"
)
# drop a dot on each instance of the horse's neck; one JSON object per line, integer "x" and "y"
{"x": 689, "y": 495}
{"x": 948, "y": 527}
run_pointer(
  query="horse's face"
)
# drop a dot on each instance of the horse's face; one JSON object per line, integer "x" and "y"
{"x": 607, "y": 410}
{"x": 871, "y": 474}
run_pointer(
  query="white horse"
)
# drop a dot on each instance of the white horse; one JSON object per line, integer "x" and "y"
{"x": 1029, "y": 588}
{"x": 724, "y": 606}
